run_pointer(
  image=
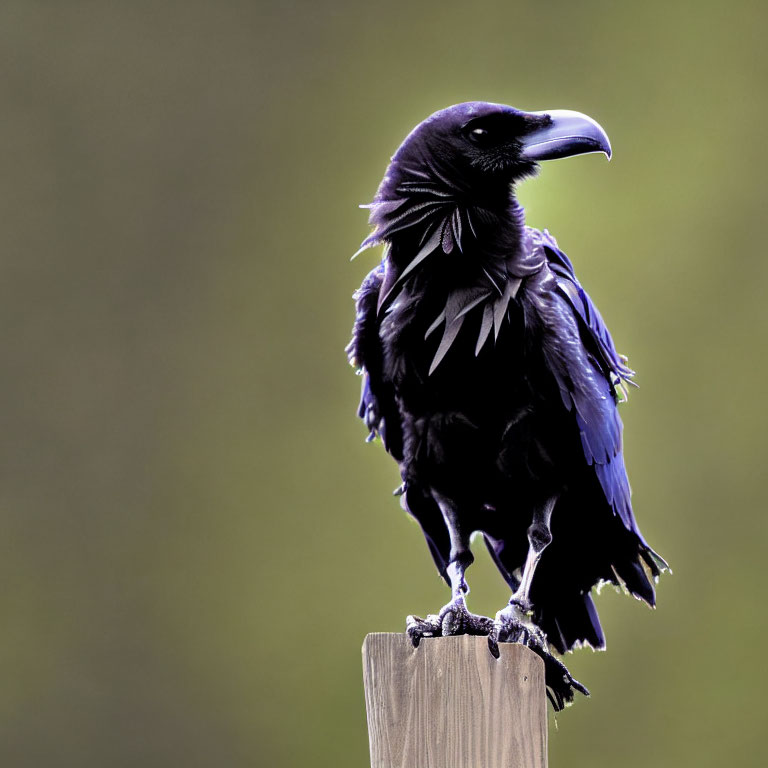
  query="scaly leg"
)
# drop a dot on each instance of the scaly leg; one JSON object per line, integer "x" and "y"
{"x": 539, "y": 538}
{"x": 514, "y": 624}
{"x": 453, "y": 618}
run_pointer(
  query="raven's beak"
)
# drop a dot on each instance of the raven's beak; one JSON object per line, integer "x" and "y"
{"x": 569, "y": 133}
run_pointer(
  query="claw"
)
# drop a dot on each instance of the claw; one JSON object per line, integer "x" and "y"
{"x": 416, "y": 628}
{"x": 411, "y": 629}
{"x": 513, "y": 625}
{"x": 453, "y": 619}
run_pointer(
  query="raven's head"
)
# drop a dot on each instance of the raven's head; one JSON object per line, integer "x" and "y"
{"x": 478, "y": 143}
{"x": 455, "y": 172}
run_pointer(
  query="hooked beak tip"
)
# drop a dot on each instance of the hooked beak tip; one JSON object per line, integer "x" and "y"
{"x": 566, "y": 134}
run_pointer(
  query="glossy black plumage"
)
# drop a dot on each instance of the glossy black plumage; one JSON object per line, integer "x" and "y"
{"x": 489, "y": 373}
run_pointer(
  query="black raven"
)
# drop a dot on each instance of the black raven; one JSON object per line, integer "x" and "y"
{"x": 491, "y": 378}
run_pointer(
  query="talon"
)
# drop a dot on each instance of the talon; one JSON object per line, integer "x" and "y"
{"x": 412, "y": 630}
{"x": 453, "y": 619}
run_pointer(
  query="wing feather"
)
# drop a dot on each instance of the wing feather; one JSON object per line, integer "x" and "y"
{"x": 583, "y": 358}
{"x": 378, "y": 407}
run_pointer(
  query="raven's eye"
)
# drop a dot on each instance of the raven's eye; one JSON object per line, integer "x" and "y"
{"x": 480, "y": 136}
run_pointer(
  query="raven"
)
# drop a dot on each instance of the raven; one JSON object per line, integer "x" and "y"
{"x": 492, "y": 380}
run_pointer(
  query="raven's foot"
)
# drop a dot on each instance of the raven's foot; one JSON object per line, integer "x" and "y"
{"x": 514, "y": 625}
{"x": 453, "y": 619}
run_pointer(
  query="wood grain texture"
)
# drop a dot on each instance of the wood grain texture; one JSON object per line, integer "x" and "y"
{"x": 450, "y": 704}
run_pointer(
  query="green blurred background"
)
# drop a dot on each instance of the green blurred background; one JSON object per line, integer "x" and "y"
{"x": 194, "y": 538}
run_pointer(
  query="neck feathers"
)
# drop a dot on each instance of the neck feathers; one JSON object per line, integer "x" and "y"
{"x": 420, "y": 211}
{"x": 476, "y": 243}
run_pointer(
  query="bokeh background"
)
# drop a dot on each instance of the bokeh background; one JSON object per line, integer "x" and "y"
{"x": 194, "y": 538}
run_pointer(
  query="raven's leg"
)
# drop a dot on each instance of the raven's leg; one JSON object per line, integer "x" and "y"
{"x": 539, "y": 538}
{"x": 454, "y": 618}
{"x": 513, "y": 623}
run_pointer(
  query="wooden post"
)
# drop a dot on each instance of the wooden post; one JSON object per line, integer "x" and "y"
{"x": 450, "y": 704}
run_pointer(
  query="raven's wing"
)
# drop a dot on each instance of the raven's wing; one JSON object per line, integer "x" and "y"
{"x": 595, "y": 332}
{"x": 378, "y": 407}
{"x": 581, "y": 354}
{"x": 379, "y": 410}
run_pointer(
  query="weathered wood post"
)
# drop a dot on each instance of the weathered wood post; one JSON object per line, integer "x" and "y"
{"x": 450, "y": 704}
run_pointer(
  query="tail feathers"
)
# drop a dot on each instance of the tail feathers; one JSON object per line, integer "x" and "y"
{"x": 636, "y": 581}
{"x": 572, "y": 621}
{"x": 635, "y": 577}
{"x": 596, "y": 639}
{"x": 655, "y": 562}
